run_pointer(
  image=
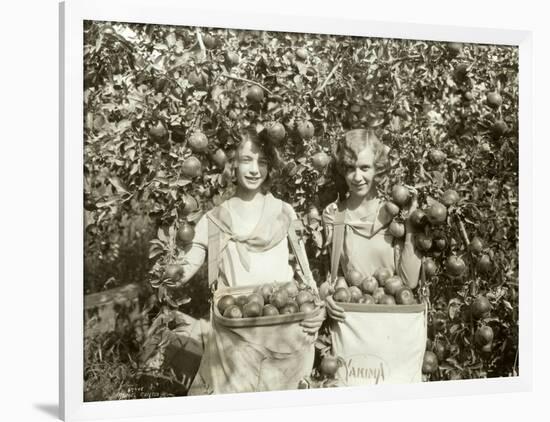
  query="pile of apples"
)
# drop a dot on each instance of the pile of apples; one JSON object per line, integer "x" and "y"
{"x": 268, "y": 300}
{"x": 383, "y": 288}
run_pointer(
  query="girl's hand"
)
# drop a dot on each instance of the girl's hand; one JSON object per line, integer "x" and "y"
{"x": 334, "y": 311}
{"x": 182, "y": 281}
{"x": 413, "y": 205}
{"x": 312, "y": 324}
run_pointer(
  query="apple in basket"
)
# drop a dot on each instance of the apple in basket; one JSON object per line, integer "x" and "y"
{"x": 292, "y": 289}
{"x": 393, "y": 284}
{"x": 241, "y": 300}
{"x": 225, "y": 302}
{"x": 381, "y": 275}
{"x": 325, "y": 289}
{"x": 355, "y": 294}
{"x": 233, "y": 311}
{"x": 367, "y": 300}
{"x": 354, "y": 278}
{"x": 340, "y": 283}
{"x": 307, "y": 307}
{"x": 252, "y": 309}
{"x": 387, "y": 300}
{"x": 270, "y": 310}
{"x": 265, "y": 290}
{"x": 405, "y": 296}
{"x": 256, "y": 297}
{"x": 342, "y": 295}
{"x": 304, "y": 297}
{"x": 279, "y": 298}
{"x": 378, "y": 294}
{"x": 290, "y": 308}
{"x": 369, "y": 285}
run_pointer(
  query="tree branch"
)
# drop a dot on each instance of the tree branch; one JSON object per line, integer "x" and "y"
{"x": 401, "y": 59}
{"x": 462, "y": 231}
{"x": 201, "y": 44}
{"x": 330, "y": 75}
{"x": 237, "y": 78}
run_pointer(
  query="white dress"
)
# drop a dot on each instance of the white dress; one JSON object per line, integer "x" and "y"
{"x": 250, "y": 359}
{"x": 265, "y": 267}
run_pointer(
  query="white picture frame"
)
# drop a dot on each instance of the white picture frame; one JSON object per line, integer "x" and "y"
{"x": 72, "y": 15}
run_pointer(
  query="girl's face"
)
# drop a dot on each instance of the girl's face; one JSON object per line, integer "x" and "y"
{"x": 252, "y": 167}
{"x": 360, "y": 177}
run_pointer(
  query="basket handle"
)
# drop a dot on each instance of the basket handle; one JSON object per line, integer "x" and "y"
{"x": 338, "y": 234}
{"x": 299, "y": 252}
{"x": 423, "y": 293}
{"x": 214, "y": 250}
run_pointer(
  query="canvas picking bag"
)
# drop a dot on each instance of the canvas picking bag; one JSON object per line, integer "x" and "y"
{"x": 379, "y": 344}
{"x": 245, "y": 357}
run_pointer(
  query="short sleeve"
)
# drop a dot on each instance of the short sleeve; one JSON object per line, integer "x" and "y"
{"x": 192, "y": 255}
{"x": 287, "y": 209}
{"x": 201, "y": 232}
{"x": 329, "y": 214}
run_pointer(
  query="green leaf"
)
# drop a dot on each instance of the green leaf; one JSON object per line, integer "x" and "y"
{"x": 183, "y": 301}
{"x": 134, "y": 169}
{"x": 131, "y": 154}
{"x": 318, "y": 239}
{"x": 454, "y": 328}
{"x": 89, "y": 218}
{"x": 162, "y": 235}
{"x": 115, "y": 181}
{"x": 454, "y": 308}
{"x": 171, "y": 39}
{"x": 155, "y": 252}
{"x": 507, "y": 305}
{"x": 179, "y": 182}
{"x": 155, "y": 283}
{"x": 104, "y": 204}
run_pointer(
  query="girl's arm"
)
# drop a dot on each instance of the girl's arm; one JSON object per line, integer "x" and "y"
{"x": 192, "y": 256}
{"x": 306, "y": 263}
{"x": 313, "y": 323}
{"x": 336, "y": 312}
{"x": 296, "y": 224}
{"x": 408, "y": 267}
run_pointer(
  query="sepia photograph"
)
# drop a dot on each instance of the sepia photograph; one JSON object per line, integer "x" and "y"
{"x": 269, "y": 211}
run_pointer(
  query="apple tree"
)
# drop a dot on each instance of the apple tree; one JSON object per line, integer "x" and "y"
{"x": 163, "y": 107}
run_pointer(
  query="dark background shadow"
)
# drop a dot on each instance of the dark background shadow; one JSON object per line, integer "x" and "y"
{"x": 51, "y": 409}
